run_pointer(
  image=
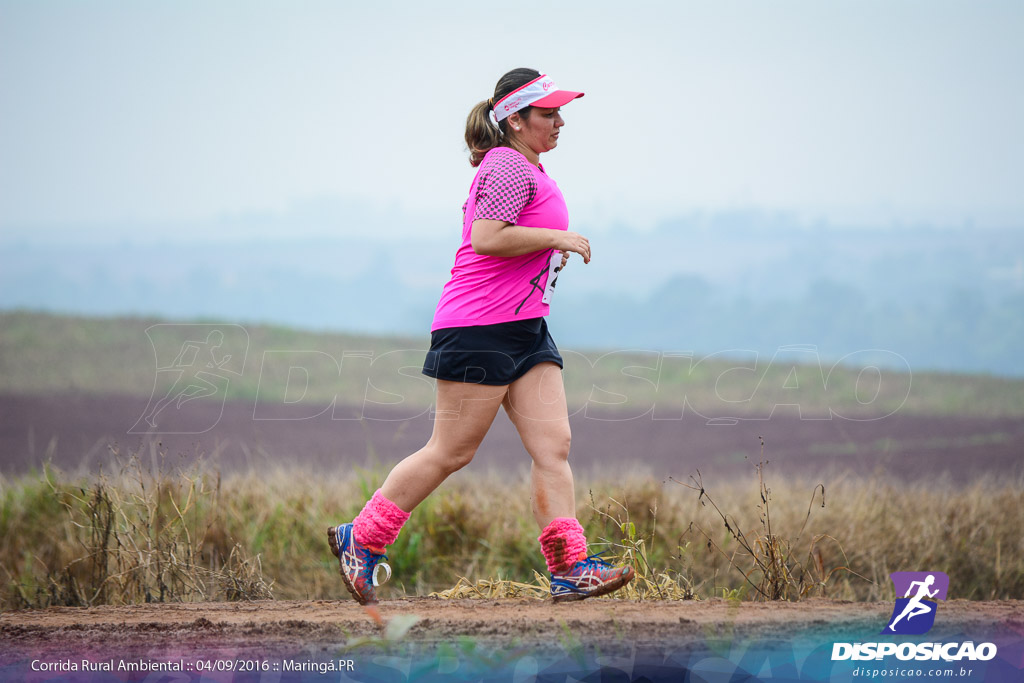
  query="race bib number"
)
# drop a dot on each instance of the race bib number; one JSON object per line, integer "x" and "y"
{"x": 554, "y": 266}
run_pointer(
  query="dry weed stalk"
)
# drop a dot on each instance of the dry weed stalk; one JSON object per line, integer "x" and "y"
{"x": 634, "y": 550}
{"x": 144, "y": 537}
{"x": 775, "y": 570}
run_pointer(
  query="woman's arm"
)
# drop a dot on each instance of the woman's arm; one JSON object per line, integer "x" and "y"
{"x": 501, "y": 238}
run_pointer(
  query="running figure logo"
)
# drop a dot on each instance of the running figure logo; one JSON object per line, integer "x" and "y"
{"x": 192, "y": 362}
{"x": 914, "y": 613}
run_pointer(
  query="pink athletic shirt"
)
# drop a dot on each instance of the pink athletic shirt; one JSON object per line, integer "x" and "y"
{"x": 485, "y": 290}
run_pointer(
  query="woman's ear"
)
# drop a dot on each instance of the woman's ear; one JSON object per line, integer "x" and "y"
{"x": 515, "y": 121}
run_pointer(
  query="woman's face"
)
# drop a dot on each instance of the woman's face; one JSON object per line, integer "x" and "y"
{"x": 539, "y": 132}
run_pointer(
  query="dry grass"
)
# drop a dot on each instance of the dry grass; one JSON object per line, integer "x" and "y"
{"x": 150, "y": 530}
{"x": 132, "y": 536}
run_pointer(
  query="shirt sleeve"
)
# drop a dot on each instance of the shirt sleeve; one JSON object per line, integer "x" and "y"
{"x": 505, "y": 188}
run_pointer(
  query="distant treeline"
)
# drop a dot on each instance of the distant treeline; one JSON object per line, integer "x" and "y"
{"x": 963, "y": 331}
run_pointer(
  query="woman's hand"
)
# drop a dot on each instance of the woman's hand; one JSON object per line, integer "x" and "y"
{"x": 573, "y": 241}
{"x": 501, "y": 238}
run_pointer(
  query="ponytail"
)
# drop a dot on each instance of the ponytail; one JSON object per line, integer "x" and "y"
{"x": 482, "y": 134}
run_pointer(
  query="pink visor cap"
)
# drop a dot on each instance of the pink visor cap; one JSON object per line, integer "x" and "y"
{"x": 540, "y": 92}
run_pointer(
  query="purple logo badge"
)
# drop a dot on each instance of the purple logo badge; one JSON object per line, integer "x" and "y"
{"x": 914, "y": 612}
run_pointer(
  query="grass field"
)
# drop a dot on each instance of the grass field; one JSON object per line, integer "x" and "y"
{"x": 41, "y": 353}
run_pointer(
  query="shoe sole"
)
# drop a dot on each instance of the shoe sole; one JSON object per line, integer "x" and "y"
{"x": 332, "y": 540}
{"x": 607, "y": 588}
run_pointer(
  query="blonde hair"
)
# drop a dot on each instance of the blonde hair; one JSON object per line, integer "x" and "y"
{"x": 482, "y": 135}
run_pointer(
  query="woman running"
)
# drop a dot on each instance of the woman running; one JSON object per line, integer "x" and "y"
{"x": 490, "y": 347}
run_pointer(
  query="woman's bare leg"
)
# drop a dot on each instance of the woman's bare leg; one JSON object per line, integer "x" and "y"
{"x": 536, "y": 405}
{"x": 464, "y": 413}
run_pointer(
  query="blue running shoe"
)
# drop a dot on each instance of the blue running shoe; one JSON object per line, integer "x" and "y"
{"x": 587, "y": 578}
{"x": 357, "y": 564}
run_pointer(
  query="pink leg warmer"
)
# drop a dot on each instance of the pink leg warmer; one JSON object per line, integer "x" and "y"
{"x": 379, "y": 522}
{"x": 563, "y": 544}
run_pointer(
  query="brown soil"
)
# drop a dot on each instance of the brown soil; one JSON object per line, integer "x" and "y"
{"x": 290, "y": 628}
{"x": 79, "y": 431}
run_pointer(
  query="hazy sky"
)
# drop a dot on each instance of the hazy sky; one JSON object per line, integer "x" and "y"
{"x": 174, "y": 113}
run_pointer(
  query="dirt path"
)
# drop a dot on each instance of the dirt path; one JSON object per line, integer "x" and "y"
{"x": 423, "y": 639}
{"x": 289, "y": 626}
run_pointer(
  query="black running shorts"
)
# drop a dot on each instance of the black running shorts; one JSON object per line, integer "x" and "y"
{"x": 490, "y": 354}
